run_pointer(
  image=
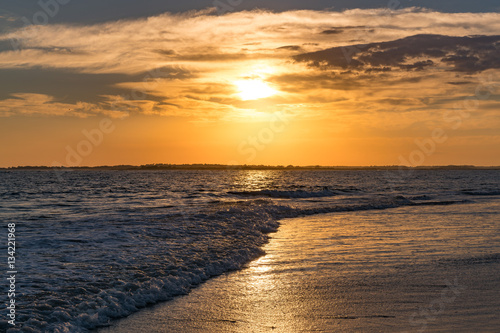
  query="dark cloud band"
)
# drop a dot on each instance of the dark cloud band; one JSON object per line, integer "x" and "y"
{"x": 461, "y": 54}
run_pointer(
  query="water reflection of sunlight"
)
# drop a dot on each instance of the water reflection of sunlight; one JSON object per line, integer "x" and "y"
{"x": 262, "y": 278}
{"x": 262, "y": 265}
{"x": 257, "y": 179}
{"x": 272, "y": 292}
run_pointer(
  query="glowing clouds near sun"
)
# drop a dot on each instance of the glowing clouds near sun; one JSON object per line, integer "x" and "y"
{"x": 254, "y": 89}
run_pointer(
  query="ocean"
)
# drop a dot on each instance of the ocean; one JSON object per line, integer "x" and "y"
{"x": 93, "y": 246}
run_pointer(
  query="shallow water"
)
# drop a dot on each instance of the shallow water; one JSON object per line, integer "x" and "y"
{"x": 409, "y": 269}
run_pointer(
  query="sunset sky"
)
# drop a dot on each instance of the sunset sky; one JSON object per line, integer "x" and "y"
{"x": 250, "y": 82}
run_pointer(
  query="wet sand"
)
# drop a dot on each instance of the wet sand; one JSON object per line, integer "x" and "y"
{"x": 411, "y": 269}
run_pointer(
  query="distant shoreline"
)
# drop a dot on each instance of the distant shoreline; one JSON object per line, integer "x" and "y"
{"x": 251, "y": 167}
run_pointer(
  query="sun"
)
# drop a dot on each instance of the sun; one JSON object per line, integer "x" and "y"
{"x": 254, "y": 89}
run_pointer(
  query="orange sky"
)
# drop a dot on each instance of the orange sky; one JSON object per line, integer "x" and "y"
{"x": 361, "y": 87}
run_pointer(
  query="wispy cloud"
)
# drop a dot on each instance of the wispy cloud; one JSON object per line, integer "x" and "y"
{"x": 323, "y": 63}
{"x": 39, "y": 104}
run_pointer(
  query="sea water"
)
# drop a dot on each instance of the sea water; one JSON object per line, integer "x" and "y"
{"x": 92, "y": 246}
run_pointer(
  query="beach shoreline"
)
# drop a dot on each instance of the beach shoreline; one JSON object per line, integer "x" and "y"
{"x": 358, "y": 271}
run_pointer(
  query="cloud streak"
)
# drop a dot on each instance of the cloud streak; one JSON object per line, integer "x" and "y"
{"x": 301, "y": 54}
{"x": 461, "y": 54}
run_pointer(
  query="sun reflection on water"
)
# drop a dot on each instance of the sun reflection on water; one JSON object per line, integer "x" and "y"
{"x": 257, "y": 179}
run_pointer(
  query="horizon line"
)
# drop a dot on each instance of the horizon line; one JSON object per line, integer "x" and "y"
{"x": 212, "y": 166}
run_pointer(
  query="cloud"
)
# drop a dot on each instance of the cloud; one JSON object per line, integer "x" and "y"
{"x": 334, "y": 31}
{"x": 458, "y": 83}
{"x": 199, "y": 56}
{"x": 342, "y": 29}
{"x": 462, "y": 54}
{"x": 133, "y": 46}
{"x": 40, "y": 104}
{"x": 290, "y": 48}
{"x": 64, "y": 85}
